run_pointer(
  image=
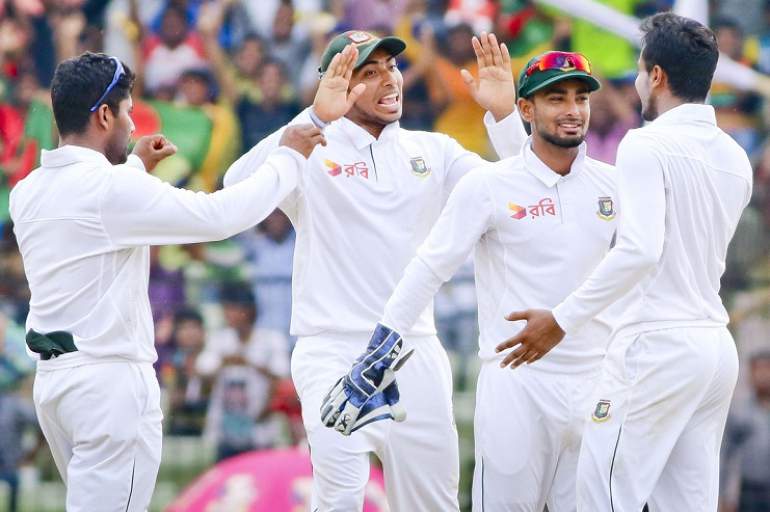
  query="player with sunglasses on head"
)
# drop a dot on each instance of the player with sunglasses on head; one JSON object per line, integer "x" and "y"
{"x": 539, "y": 223}
{"x": 661, "y": 403}
{"x": 365, "y": 203}
{"x": 84, "y": 221}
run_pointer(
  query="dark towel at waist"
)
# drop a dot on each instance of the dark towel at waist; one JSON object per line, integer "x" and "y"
{"x": 50, "y": 345}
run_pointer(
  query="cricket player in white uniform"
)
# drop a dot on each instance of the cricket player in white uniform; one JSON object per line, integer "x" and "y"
{"x": 364, "y": 203}
{"x": 662, "y": 400}
{"x": 539, "y": 222}
{"x": 84, "y": 221}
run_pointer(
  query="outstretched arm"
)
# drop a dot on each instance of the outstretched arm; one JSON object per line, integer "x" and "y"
{"x": 641, "y": 231}
{"x": 139, "y": 209}
{"x": 465, "y": 218}
{"x": 368, "y": 392}
{"x": 495, "y": 91}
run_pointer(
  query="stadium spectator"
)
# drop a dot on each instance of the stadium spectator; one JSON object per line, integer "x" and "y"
{"x": 268, "y": 251}
{"x": 245, "y": 363}
{"x": 237, "y": 73}
{"x": 611, "y": 117}
{"x": 17, "y": 415}
{"x": 747, "y": 444}
{"x": 288, "y": 42}
{"x": 187, "y": 391}
{"x": 175, "y": 49}
{"x": 276, "y": 107}
{"x": 738, "y": 112}
{"x": 373, "y": 15}
{"x": 449, "y": 90}
{"x": 14, "y": 292}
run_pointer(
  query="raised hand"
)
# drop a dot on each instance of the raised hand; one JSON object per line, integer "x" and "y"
{"x": 494, "y": 90}
{"x": 210, "y": 19}
{"x": 333, "y": 100}
{"x": 151, "y": 149}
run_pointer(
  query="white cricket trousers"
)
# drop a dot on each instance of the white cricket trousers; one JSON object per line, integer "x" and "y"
{"x": 659, "y": 414}
{"x": 419, "y": 456}
{"x": 527, "y": 430}
{"x": 102, "y": 421}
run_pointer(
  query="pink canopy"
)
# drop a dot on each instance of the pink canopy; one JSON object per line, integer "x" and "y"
{"x": 264, "y": 481}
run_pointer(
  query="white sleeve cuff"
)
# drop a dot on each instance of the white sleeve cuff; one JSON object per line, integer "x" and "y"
{"x": 561, "y": 315}
{"x": 135, "y": 161}
{"x": 507, "y": 135}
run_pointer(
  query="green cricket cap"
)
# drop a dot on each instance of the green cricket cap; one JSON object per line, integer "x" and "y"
{"x": 366, "y": 44}
{"x": 571, "y": 65}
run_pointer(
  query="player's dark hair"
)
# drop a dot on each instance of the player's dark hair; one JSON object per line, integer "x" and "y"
{"x": 79, "y": 82}
{"x": 686, "y": 50}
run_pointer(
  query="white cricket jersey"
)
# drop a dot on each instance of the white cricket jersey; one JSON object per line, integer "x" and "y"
{"x": 83, "y": 227}
{"x": 536, "y": 234}
{"x": 361, "y": 209}
{"x": 683, "y": 184}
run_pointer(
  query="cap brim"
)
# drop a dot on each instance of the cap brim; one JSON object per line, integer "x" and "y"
{"x": 593, "y": 83}
{"x": 392, "y": 45}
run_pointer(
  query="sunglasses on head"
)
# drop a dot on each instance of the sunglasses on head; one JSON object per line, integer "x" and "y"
{"x": 118, "y": 71}
{"x": 560, "y": 60}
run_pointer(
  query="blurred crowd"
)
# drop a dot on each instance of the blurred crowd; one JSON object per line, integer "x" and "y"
{"x": 217, "y": 76}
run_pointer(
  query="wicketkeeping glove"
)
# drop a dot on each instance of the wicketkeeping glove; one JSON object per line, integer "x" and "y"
{"x": 369, "y": 391}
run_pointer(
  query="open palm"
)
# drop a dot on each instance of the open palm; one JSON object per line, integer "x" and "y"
{"x": 494, "y": 90}
{"x": 332, "y": 100}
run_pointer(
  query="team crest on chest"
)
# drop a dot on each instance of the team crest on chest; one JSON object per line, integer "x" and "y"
{"x": 602, "y": 411}
{"x": 606, "y": 209}
{"x": 419, "y": 167}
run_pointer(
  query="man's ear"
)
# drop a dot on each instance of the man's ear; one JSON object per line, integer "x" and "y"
{"x": 658, "y": 77}
{"x": 104, "y": 117}
{"x": 526, "y": 109}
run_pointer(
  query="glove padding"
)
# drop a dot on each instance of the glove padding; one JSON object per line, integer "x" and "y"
{"x": 369, "y": 391}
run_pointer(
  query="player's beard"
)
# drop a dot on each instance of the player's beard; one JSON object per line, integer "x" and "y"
{"x": 650, "y": 111}
{"x": 562, "y": 142}
{"x": 117, "y": 150}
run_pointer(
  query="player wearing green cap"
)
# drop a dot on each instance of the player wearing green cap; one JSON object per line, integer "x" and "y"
{"x": 539, "y": 223}
{"x": 364, "y": 204}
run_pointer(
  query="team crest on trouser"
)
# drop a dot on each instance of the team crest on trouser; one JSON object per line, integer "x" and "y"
{"x": 419, "y": 167}
{"x": 606, "y": 208}
{"x": 602, "y": 411}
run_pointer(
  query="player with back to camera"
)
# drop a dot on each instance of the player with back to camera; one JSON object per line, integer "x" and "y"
{"x": 662, "y": 400}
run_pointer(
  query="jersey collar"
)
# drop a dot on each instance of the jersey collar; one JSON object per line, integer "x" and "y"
{"x": 360, "y": 138}
{"x": 544, "y": 173}
{"x": 688, "y": 113}
{"x": 68, "y": 154}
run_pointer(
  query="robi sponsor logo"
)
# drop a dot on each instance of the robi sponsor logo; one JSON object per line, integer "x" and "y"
{"x": 518, "y": 212}
{"x": 348, "y": 170}
{"x": 543, "y": 207}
